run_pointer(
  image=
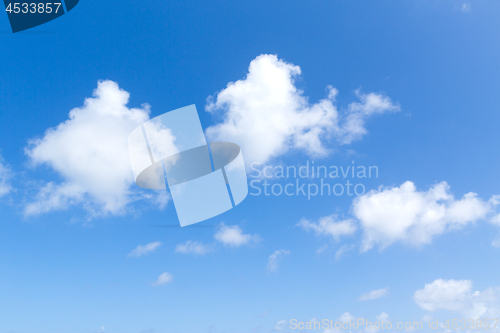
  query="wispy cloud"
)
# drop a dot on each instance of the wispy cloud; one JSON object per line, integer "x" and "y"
{"x": 5, "y": 177}
{"x": 275, "y": 258}
{"x": 374, "y": 294}
{"x": 329, "y": 225}
{"x": 141, "y": 250}
{"x": 280, "y": 325}
{"x": 164, "y": 278}
{"x": 193, "y": 247}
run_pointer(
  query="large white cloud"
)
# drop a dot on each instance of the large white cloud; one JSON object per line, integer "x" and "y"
{"x": 267, "y": 115}
{"x": 403, "y": 213}
{"x": 90, "y": 152}
{"x": 457, "y": 295}
{"x": 5, "y": 177}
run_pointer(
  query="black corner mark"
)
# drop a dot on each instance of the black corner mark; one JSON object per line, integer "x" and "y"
{"x": 26, "y": 14}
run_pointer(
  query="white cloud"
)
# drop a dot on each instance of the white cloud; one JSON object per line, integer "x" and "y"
{"x": 164, "y": 278}
{"x": 466, "y": 7}
{"x": 343, "y": 250}
{"x": 383, "y": 317}
{"x": 5, "y": 177}
{"x": 374, "y": 294}
{"x": 194, "y": 247}
{"x": 280, "y": 325}
{"x": 330, "y": 225}
{"x": 267, "y": 115}
{"x": 234, "y": 236}
{"x": 404, "y": 214}
{"x": 101, "y": 329}
{"x": 90, "y": 153}
{"x": 141, "y": 250}
{"x": 275, "y": 258}
{"x": 457, "y": 296}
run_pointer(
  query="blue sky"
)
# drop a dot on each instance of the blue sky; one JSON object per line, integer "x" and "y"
{"x": 408, "y": 86}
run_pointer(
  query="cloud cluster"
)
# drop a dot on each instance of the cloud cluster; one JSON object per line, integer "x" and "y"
{"x": 267, "y": 115}
{"x": 457, "y": 296}
{"x": 90, "y": 153}
{"x": 403, "y": 213}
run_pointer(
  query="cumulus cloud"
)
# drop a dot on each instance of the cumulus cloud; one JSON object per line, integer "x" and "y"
{"x": 267, "y": 115}
{"x": 193, "y": 247}
{"x": 90, "y": 153}
{"x": 164, "y": 278}
{"x": 403, "y": 213}
{"x": 141, "y": 250}
{"x": 330, "y": 226}
{"x": 466, "y": 7}
{"x": 5, "y": 177}
{"x": 280, "y": 325}
{"x": 374, "y": 294}
{"x": 233, "y": 236}
{"x": 457, "y": 296}
{"x": 275, "y": 258}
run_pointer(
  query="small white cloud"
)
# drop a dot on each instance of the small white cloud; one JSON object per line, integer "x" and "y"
{"x": 275, "y": 258}
{"x": 194, "y": 247}
{"x": 374, "y": 294}
{"x": 267, "y": 115}
{"x": 466, "y": 7}
{"x": 101, "y": 329}
{"x": 457, "y": 296}
{"x": 280, "y": 325}
{"x": 90, "y": 152}
{"x": 141, "y": 250}
{"x": 5, "y": 177}
{"x": 330, "y": 225}
{"x": 234, "y": 236}
{"x": 404, "y": 214}
{"x": 164, "y": 278}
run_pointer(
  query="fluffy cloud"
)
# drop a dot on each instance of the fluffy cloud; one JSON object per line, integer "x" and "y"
{"x": 233, "y": 236}
{"x": 90, "y": 153}
{"x": 457, "y": 295}
{"x": 164, "y": 278}
{"x": 194, "y": 247}
{"x": 5, "y": 176}
{"x": 330, "y": 226}
{"x": 267, "y": 115}
{"x": 141, "y": 250}
{"x": 275, "y": 258}
{"x": 404, "y": 214}
{"x": 374, "y": 294}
